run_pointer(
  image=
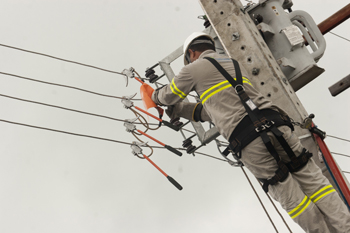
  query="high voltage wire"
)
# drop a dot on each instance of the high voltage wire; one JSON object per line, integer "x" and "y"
{"x": 340, "y": 154}
{"x": 126, "y": 143}
{"x": 61, "y": 59}
{"x": 338, "y": 138}
{"x": 115, "y": 119}
{"x": 65, "y": 132}
{"x": 261, "y": 203}
{"x": 55, "y": 106}
{"x": 340, "y": 36}
{"x": 94, "y": 137}
{"x": 60, "y": 85}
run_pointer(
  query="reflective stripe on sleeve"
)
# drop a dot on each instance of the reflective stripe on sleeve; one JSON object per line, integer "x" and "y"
{"x": 219, "y": 87}
{"x": 321, "y": 193}
{"x": 176, "y": 90}
{"x": 300, "y": 208}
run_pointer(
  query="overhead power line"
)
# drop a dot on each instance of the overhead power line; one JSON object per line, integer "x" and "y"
{"x": 340, "y": 154}
{"x": 55, "y": 106}
{"x": 126, "y": 143}
{"x": 339, "y": 36}
{"x": 61, "y": 59}
{"x": 65, "y": 132}
{"x": 261, "y": 203}
{"x": 343, "y": 139}
{"x": 61, "y": 85}
{"x": 94, "y": 137}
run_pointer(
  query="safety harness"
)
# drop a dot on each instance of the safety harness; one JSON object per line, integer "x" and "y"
{"x": 256, "y": 124}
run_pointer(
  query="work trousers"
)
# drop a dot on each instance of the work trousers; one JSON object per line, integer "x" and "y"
{"x": 306, "y": 195}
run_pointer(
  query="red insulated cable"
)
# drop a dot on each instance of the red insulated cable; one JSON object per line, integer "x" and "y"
{"x": 139, "y": 80}
{"x": 334, "y": 168}
{"x": 149, "y": 114}
{"x": 149, "y": 160}
{"x": 150, "y": 137}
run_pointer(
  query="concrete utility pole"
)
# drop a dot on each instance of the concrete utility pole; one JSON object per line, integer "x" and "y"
{"x": 240, "y": 38}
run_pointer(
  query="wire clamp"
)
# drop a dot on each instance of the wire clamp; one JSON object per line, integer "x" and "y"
{"x": 128, "y": 73}
{"x": 129, "y": 125}
{"x": 136, "y": 147}
{"x": 127, "y": 103}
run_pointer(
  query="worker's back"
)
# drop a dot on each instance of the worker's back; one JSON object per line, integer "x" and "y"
{"x": 218, "y": 97}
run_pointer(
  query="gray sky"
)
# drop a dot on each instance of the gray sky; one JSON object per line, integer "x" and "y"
{"x": 52, "y": 182}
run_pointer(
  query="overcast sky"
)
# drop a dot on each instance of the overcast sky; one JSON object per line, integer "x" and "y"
{"x": 54, "y": 182}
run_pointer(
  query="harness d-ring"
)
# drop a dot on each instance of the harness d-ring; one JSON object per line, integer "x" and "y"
{"x": 239, "y": 85}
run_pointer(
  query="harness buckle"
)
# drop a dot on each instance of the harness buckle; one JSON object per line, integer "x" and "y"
{"x": 260, "y": 128}
{"x": 239, "y": 86}
{"x": 269, "y": 124}
{"x": 265, "y": 126}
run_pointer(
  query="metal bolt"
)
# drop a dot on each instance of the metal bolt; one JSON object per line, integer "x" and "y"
{"x": 255, "y": 71}
{"x": 235, "y": 36}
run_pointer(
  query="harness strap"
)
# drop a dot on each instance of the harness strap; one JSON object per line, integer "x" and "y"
{"x": 280, "y": 175}
{"x": 245, "y": 131}
{"x": 302, "y": 160}
{"x": 262, "y": 125}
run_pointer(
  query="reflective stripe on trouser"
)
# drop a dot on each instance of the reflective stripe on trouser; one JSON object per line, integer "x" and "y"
{"x": 292, "y": 191}
{"x": 300, "y": 208}
{"x": 321, "y": 193}
{"x": 325, "y": 197}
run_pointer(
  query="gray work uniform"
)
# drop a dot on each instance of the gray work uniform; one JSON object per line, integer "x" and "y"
{"x": 306, "y": 195}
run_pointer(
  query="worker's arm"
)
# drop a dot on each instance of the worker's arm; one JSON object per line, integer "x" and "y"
{"x": 189, "y": 111}
{"x": 176, "y": 91}
{"x": 172, "y": 95}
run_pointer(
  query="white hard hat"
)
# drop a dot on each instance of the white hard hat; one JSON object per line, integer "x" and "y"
{"x": 190, "y": 39}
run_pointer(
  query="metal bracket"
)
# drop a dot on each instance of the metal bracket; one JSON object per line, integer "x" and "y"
{"x": 236, "y": 163}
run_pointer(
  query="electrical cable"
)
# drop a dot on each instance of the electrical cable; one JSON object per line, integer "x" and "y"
{"x": 340, "y": 154}
{"x": 257, "y": 195}
{"x": 116, "y": 119}
{"x": 61, "y": 85}
{"x": 65, "y": 132}
{"x": 145, "y": 123}
{"x": 343, "y": 139}
{"x": 339, "y": 36}
{"x": 68, "y": 109}
{"x": 94, "y": 137}
{"x": 61, "y": 59}
{"x": 210, "y": 156}
{"x": 284, "y": 221}
{"x": 126, "y": 143}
